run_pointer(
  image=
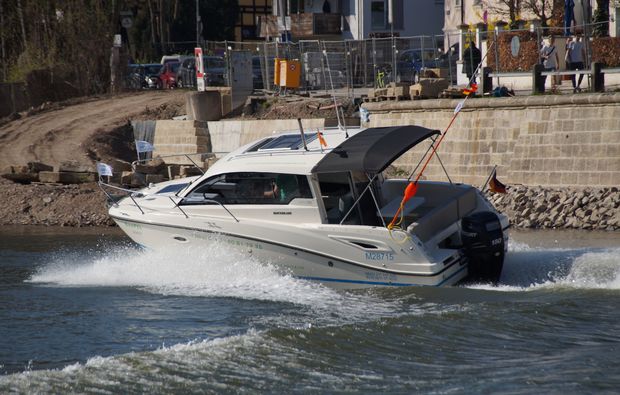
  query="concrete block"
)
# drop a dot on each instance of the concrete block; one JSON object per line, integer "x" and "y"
{"x": 154, "y": 166}
{"x": 35, "y": 167}
{"x": 22, "y": 178}
{"x": 436, "y": 73}
{"x": 66, "y": 177}
{"x": 75, "y": 167}
{"x": 118, "y": 165}
{"x": 204, "y": 106}
{"x": 133, "y": 179}
{"x": 398, "y": 91}
{"x": 173, "y": 171}
{"x": 154, "y": 178}
{"x": 187, "y": 171}
{"x": 16, "y": 169}
{"x": 429, "y": 87}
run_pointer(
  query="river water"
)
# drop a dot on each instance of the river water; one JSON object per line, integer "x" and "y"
{"x": 86, "y": 311}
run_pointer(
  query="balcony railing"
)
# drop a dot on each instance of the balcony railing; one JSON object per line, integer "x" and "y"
{"x": 301, "y": 25}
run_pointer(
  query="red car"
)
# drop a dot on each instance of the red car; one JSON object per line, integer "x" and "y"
{"x": 168, "y": 75}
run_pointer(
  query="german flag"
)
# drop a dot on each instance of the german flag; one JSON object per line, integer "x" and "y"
{"x": 471, "y": 90}
{"x": 322, "y": 140}
{"x": 495, "y": 185}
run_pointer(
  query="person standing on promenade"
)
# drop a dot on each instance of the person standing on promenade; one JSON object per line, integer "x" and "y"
{"x": 549, "y": 57}
{"x": 471, "y": 60}
{"x": 575, "y": 55}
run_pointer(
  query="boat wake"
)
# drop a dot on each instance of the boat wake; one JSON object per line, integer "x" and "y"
{"x": 219, "y": 272}
{"x": 529, "y": 268}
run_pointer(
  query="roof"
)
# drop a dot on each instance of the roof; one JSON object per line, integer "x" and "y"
{"x": 372, "y": 150}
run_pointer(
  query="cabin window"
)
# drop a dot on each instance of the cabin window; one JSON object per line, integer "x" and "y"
{"x": 378, "y": 16}
{"x": 366, "y": 204}
{"x": 338, "y": 197}
{"x": 251, "y": 188}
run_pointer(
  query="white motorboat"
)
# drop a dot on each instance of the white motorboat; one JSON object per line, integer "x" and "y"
{"x": 324, "y": 213}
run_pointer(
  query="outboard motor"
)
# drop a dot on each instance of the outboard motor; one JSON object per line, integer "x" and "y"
{"x": 483, "y": 241}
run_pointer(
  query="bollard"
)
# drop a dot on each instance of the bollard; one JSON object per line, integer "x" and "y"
{"x": 487, "y": 81}
{"x": 538, "y": 81}
{"x": 598, "y": 78}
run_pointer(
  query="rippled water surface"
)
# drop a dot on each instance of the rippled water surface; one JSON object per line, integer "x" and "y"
{"x": 86, "y": 311}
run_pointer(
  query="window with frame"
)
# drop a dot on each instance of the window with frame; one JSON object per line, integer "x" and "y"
{"x": 338, "y": 198}
{"x": 250, "y": 188}
{"x": 378, "y": 16}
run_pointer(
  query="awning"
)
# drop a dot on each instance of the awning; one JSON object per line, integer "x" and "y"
{"x": 372, "y": 150}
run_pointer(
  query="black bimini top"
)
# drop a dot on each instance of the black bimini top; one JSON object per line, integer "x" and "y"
{"x": 372, "y": 150}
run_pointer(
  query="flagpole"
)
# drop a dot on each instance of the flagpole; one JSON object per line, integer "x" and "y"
{"x": 484, "y": 186}
{"x": 137, "y": 151}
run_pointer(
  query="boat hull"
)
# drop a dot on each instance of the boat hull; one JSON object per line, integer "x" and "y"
{"x": 299, "y": 261}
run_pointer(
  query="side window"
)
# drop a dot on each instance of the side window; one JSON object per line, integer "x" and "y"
{"x": 338, "y": 197}
{"x": 251, "y": 188}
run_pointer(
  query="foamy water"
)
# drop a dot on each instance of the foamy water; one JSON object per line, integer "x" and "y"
{"x": 529, "y": 268}
{"x": 265, "y": 331}
{"x": 219, "y": 271}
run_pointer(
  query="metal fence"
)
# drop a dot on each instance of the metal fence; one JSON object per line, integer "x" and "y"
{"x": 352, "y": 64}
{"x": 342, "y": 65}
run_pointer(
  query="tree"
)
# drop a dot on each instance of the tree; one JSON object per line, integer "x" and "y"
{"x": 506, "y": 9}
{"x": 219, "y": 18}
{"x": 542, "y": 9}
{"x": 601, "y": 19}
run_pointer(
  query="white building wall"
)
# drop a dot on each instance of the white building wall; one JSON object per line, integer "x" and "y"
{"x": 420, "y": 17}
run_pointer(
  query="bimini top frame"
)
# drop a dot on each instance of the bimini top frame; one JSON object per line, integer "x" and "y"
{"x": 372, "y": 150}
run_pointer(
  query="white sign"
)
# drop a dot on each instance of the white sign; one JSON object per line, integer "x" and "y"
{"x": 126, "y": 22}
{"x": 200, "y": 70}
{"x": 284, "y": 24}
{"x": 118, "y": 41}
{"x": 515, "y": 45}
{"x": 104, "y": 169}
{"x": 459, "y": 106}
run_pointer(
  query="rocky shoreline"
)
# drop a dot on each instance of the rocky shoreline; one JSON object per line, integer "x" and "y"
{"x": 527, "y": 207}
{"x": 560, "y": 208}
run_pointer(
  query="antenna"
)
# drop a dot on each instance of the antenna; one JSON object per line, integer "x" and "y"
{"x": 303, "y": 136}
{"x": 331, "y": 81}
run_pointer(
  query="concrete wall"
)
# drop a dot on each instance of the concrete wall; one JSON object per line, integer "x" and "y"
{"x": 181, "y": 137}
{"x": 229, "y": 135}
{"x": 537, "y": 140}
{"x": 189, "y": 137}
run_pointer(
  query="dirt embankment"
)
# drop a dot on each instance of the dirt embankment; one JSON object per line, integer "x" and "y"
{"x": 63, "y": 132}
{"x": 83, "y": 130}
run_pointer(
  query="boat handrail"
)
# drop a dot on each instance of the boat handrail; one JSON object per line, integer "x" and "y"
{"x": 131, "y": 193}
{"x": 224, "y": 207}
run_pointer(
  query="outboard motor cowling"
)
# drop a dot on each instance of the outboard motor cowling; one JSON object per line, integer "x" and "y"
{"x": 483, "y": 242}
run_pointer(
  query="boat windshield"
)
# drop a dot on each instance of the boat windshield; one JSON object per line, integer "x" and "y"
{"x": 251, "y": 188}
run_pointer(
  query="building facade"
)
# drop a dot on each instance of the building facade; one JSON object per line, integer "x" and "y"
{"x": 353, "y": 19}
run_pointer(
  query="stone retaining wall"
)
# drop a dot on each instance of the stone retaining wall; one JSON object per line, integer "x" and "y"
{"x": 568, "y": 140}
{"x": 189, "y": 137}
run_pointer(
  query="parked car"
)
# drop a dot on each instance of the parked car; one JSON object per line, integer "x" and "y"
{"x": 186, "y": 73}
{"x": 215, "y": 70}
{"x": 257, "y": 73}
{"x": 174, "y": 58}
{"x": 134, "y": 78}
{"x": 411, "y": 62}
{"x": 151, "y": 74}
{"x": 168, "y": 75}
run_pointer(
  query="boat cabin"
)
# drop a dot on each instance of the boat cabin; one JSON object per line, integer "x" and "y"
{"x": 345, "y": 183}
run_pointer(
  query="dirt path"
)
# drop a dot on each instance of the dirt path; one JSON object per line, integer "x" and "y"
{"x": 63, "y": 134}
